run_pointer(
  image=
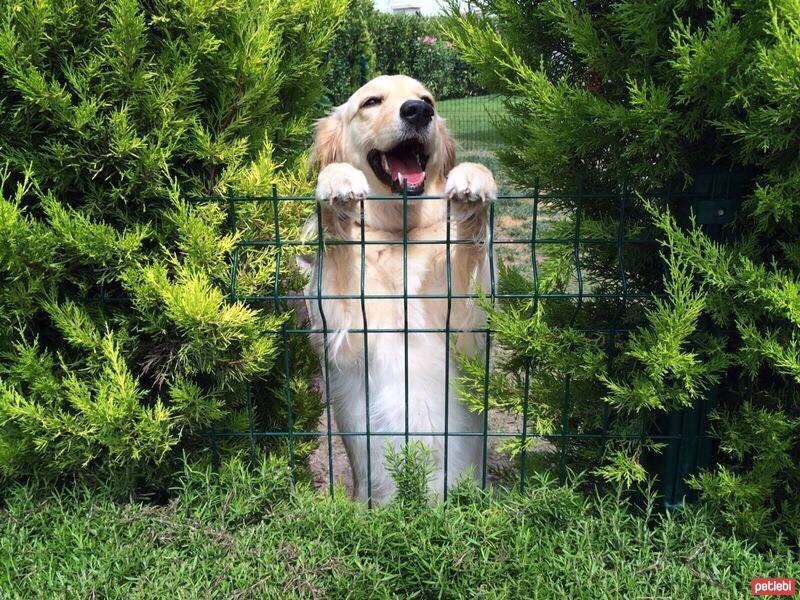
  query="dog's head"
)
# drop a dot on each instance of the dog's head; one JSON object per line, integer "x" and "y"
{"x": 388, "y": 129}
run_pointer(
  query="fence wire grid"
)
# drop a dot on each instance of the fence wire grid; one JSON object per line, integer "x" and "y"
{"x": 678, "y": 437}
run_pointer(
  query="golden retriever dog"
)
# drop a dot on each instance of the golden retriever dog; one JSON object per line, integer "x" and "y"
{"x": 387, "y": 136}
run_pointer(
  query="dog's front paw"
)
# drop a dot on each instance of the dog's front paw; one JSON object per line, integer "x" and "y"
{"x": 341, "y": 183}
{"x": 470, "y": 182}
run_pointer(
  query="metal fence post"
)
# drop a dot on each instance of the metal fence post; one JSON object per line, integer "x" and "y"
{"x": 712, "y": 199}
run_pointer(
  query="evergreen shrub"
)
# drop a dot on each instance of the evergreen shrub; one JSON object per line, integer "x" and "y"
{"x": 657, "y": 93}
{"x": 372, "y": 43}
{"x": 118, "y": 345}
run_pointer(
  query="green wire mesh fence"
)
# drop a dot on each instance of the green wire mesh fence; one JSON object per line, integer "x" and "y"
{"x": 519, "y": 232}
{"x": 472, "y": 121}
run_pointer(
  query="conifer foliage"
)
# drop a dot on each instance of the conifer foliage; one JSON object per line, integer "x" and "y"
{"x": 118, "y": 342}
{"x": 656, "y": 93}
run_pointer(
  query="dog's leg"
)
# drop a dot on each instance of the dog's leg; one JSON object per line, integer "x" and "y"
{"x": 340, "y": 189}
{"x": 470, "y": 188}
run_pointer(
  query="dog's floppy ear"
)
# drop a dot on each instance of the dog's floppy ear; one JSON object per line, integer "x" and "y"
{"x": 328, "y": 137}
{"x": 447, "y": 148}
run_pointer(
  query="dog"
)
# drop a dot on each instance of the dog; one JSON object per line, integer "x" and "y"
{"x": 387, "y": 137}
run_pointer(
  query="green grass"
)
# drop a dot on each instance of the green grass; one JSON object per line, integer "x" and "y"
{"x": 246, "y": 534}
{"x": 470, "y": 122}
{"x": 469, "y": 119}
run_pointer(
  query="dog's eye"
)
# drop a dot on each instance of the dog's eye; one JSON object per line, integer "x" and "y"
{"x": 372, "y": 101}
{"x": 428, "y": 99}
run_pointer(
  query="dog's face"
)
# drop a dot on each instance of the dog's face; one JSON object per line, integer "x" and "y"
{"x": 389, "y": 130}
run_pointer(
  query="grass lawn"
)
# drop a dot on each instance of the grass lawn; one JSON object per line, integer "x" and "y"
{"x": 245, "y": 534}
{"x": 470, "y": 119}
{"x": 470, "y": 122}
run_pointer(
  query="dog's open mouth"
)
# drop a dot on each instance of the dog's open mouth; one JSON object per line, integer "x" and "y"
{"x": 403, "y": 165}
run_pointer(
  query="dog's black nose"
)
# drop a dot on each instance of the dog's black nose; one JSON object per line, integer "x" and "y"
{"x": 416, "y": 113}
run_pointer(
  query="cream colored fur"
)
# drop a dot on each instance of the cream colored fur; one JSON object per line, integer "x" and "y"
{"x": 342, "y": 142}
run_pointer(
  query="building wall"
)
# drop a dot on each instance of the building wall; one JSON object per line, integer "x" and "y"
{"x": 423, "y": 7}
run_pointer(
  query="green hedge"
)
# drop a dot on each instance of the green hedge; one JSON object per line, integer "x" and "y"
{"x": 413, "y": 45}
{"x": 396, "y": 44}
{"x": 352, "y": 52}
{"x": 244, "y": 533}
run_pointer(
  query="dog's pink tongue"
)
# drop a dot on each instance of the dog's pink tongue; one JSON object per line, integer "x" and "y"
{"x": 406, "y": 166}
